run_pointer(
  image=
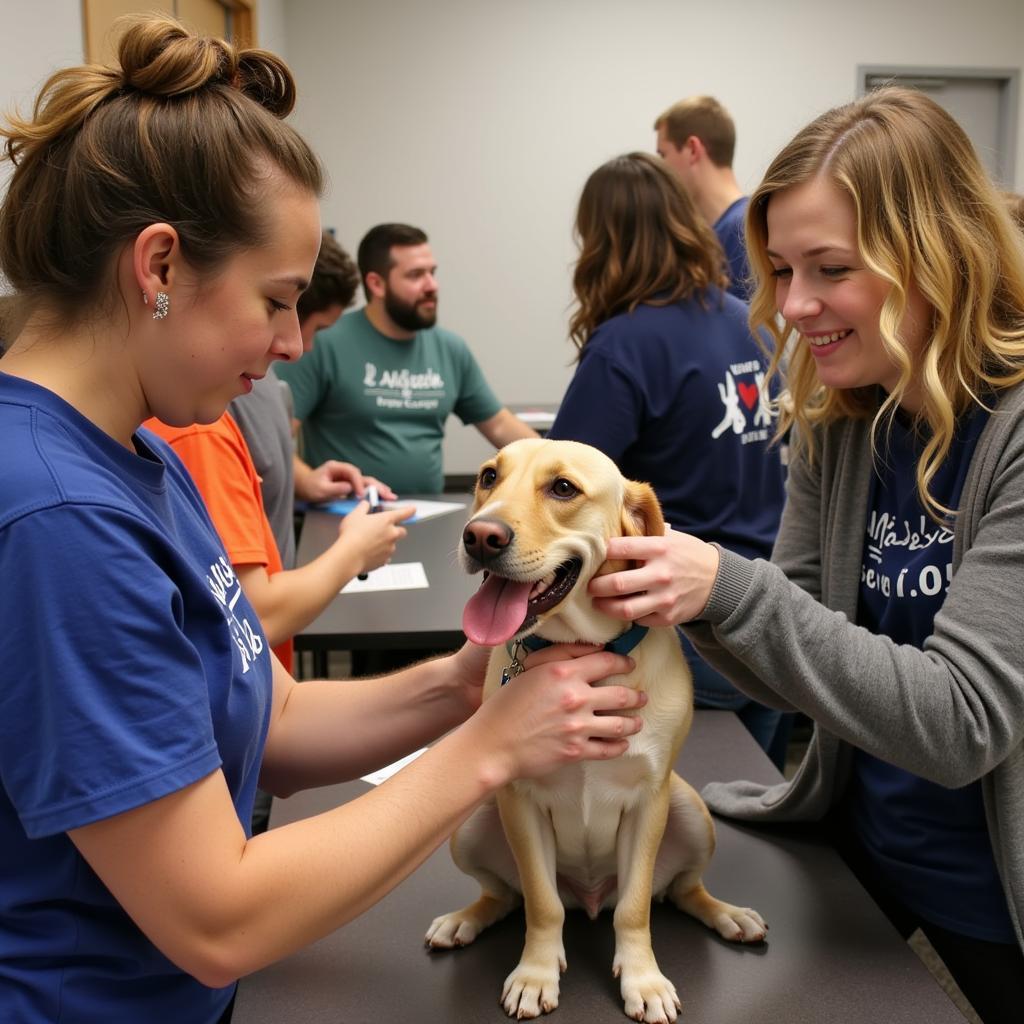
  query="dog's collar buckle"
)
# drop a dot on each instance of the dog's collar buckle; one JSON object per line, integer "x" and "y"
{"x": 515, "y": 666}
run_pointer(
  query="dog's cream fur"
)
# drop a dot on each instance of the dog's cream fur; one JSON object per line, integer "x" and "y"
{"x": 599, "y": 833}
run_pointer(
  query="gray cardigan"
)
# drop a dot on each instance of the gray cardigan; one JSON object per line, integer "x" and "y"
{"x": 952, "y": 712}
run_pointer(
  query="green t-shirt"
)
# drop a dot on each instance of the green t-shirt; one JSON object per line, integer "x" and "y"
{"x": 381, "y": 404}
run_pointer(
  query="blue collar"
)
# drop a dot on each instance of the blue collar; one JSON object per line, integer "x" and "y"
{"x": 620, "y": 645}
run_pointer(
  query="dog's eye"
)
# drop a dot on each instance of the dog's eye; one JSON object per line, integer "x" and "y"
{"x": 487, "y": 477}
{"x": 563, "y": 488}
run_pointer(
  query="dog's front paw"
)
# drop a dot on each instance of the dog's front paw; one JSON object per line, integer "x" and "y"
{"x": 449, "y": 931}
{"x": 532, "y": 988}
{"x": 647, "y": 994}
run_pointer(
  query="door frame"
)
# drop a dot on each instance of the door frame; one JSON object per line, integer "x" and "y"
{"x": 1008, "y": 80}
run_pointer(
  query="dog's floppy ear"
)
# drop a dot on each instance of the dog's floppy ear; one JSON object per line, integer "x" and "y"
{"x": 641, "y": 511}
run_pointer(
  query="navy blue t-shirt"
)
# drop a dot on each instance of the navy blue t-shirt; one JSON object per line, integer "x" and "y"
{"x": 930, "y": 844}
{"x": 675, "y": 396}
{"x": 133, "y": 666}
{"x": 730, "y": 230}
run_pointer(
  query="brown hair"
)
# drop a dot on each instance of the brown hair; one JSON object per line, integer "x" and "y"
{"x": 334, "y": 282}
{"x": 374, "y": 253}
{"x": 641, "y": 240}
{"x": 184, "y": 130}
{"x": 706, "y": 118}
{"x": 927, "y": 216}
{"x": 10, "y": 320}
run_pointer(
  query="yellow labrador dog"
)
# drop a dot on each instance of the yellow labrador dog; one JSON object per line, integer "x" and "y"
{"x": 600, "y": 833}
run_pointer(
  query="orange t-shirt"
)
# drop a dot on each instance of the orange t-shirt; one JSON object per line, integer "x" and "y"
{"x": 218, "y": 459}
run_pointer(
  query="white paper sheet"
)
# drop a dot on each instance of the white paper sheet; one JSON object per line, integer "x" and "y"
{"x": 536, "y": 416}
{"x": 400, "y": 576}
{"x": 425, "y": 509}
{"x": 377, "y": 777}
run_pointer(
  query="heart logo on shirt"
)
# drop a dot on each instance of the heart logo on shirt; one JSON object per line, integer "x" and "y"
{"x": 748, "y": 392}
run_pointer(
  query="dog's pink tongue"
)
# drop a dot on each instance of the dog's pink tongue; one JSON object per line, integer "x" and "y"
{"x": 494, "y": 613}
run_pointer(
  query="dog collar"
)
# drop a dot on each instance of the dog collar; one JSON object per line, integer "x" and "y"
{"x": 622, "y": 644}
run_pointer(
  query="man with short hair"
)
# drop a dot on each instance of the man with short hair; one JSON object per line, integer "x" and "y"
{"x": 379, "y": 385}
{"x": 697, "y": 139}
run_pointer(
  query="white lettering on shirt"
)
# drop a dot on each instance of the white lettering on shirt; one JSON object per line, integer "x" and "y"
{"x": 224, "y": 586}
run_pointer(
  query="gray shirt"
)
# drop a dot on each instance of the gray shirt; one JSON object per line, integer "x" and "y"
{"x": 265, "y": 418}
{"x": 784, "y": 632}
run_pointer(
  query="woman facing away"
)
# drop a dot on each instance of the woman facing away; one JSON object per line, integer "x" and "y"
{"x": 888, "y": 613}
{"x": 159, "y": 225}
{"x": 670, "y": 381}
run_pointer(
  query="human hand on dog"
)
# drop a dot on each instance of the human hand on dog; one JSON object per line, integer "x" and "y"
{"x": 551, "y": 715}
{"x": 372, "y": 538}
{"x": 671, "y": 585}
{"x": 470, "y": 666}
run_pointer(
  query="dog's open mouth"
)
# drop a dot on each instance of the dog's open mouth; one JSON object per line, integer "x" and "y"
{"x": 503, "y": 607}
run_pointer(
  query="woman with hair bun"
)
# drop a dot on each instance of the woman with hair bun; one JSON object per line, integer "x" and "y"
{"x": 159, "y": 226}
{"x": 892, "y": 278}
{"x": 670, "y": 382}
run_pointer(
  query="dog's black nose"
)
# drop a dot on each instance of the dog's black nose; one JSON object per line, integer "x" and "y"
{"x": 485, "y": 539}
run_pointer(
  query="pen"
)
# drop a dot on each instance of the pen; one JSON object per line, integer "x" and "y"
{"x": 373, "y": 498}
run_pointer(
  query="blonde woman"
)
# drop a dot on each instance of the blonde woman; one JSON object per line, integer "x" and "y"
{"x": 160, "y": 224}
{"x": 890, "y": 612}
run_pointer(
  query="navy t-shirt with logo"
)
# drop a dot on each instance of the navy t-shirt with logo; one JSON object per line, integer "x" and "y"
{"x": 929, "y": 843}
{"x": 676, "y": 396}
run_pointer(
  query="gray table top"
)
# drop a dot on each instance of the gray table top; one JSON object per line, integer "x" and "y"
{"x": 430, "y": 618}
{"x": 830, "y": 956}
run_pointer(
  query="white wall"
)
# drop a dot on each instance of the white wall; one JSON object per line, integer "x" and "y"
{"x": 479, "y": 120}
{"x": 36, "y": 39}
{"x": 271, "y": 28}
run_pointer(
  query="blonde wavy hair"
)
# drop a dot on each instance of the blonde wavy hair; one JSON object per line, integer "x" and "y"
{"x": 641, "y": 240}
{"x": 927, "y": 215}
{"x": 184, "y": 129}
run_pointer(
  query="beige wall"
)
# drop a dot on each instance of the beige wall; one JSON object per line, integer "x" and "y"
{"x": 479, "y": 120}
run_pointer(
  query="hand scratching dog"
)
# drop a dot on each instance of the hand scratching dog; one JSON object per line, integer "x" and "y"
{"x": 600, "y": 833}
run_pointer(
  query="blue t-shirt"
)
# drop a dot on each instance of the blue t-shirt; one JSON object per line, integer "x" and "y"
{"x": 675, "y": 396}
{"x": 729, "y": 228}
{"x": 133, "y": 666}
{"x": 929, "y": 843}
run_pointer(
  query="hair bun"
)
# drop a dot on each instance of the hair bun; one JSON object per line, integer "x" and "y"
{"x": 160, "y": 57}
{"x": 265, "y": 78}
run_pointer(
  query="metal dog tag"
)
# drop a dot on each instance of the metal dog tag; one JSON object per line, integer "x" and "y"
{"x": 515, "y": 666}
